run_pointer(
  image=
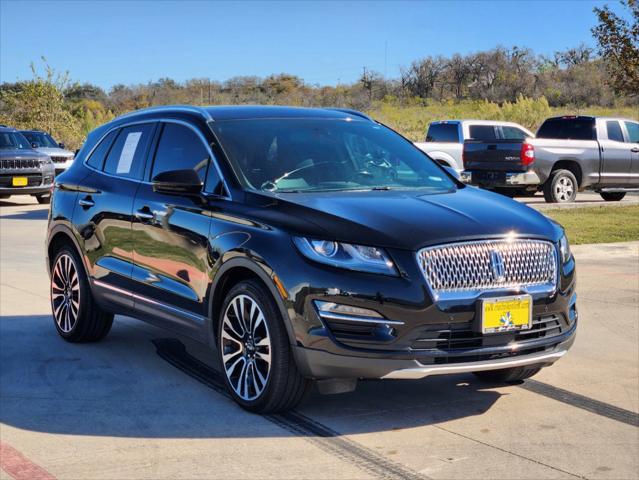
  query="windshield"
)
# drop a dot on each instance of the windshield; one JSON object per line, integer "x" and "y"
{"x": 42, "y": 139}
{"x": 301, "y": 155}
{"x": 13, "y": 141}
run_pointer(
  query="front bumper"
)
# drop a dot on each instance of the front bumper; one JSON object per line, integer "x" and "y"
{"x": 39, "y": 181}
{"x": 501, "y": 179}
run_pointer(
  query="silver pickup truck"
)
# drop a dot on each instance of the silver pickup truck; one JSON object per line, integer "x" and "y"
{"x": 569, "y": 154}
{"x": 445, "y": 139}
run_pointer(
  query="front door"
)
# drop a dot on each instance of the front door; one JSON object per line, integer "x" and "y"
{"x": 170, "y": 235}
{"x": 632, "y": 134}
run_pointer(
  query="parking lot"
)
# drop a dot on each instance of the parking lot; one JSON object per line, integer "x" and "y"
{"x": 145, "y": 404}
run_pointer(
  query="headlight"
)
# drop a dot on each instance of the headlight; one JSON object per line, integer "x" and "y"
{"x": 564, "y": 249}
{"x": 346, "y": 255}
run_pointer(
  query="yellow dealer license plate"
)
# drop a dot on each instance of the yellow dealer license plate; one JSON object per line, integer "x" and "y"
{"x": 506, "y": 314}
{"x": 20, "y": 181}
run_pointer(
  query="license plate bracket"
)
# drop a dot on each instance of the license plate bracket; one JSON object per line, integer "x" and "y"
{"x": 505, "y": 314}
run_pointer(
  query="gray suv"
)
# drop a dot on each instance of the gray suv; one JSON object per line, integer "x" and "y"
{"x": 43, "y": 142}
{"x": 23, "y": 170}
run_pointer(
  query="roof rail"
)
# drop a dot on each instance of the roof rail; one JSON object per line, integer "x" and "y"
{"x": 352, "y": 112}
{"x": 183, "y": 108}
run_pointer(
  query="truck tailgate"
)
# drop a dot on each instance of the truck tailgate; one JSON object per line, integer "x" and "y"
{"x": 493, "y": 155}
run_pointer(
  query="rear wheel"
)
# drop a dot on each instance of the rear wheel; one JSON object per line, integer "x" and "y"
{"x": 507, "y": 375}
{"x": 77, "y": 317}
{"x": 259, "y": 369}
{"x": 612, "y": 196}
{"x": 561, "y": 187}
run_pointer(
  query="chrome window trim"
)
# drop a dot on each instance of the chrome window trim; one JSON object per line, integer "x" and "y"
{"x": 536, "y": 291}
{"x": 158, "y": 121}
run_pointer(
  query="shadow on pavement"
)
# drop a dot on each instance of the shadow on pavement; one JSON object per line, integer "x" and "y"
{"x": 39, "y": 214}
{"x": 121, "y": 387}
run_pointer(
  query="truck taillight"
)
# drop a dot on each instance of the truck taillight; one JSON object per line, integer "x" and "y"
{"x": 527, "y": 154}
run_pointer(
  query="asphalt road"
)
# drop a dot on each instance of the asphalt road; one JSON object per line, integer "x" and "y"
{"x": 139, "y": 405}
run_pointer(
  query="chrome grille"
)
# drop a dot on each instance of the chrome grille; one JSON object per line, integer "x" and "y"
{"x": 17, "y": 163}
{"x": 488, "y": 265}
{"x": 56, "y": 159}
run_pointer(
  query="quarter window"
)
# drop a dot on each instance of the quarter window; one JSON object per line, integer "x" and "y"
{"x": 614, "y": 131}
{"x": 126, "y": 158}
{"x": 633, "y": 132}
{"x": 180, "y": 148}
{"x": 96, "y": 160}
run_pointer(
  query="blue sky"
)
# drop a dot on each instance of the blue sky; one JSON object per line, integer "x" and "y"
{"x": 323, "y": 42}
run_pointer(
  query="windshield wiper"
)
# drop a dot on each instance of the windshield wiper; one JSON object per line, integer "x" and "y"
{"x": 385, "y": 187}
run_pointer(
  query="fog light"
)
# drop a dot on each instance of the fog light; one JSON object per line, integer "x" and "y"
{"x": 331, "y": 307}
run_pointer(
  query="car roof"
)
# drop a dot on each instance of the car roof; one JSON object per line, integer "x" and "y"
{"x": 5, "y": 128}
{"x": 244, "y": 112}
{"x": 32, "y": 131}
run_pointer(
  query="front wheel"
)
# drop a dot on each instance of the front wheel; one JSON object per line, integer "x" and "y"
{"x": 612, "y": 196}
{"x": 259, "y": 369}
{"x": 561, "y": 187}
{"x": 507, "y": 375}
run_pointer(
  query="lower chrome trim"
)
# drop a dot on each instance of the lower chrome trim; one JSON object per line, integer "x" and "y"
{"x": 421, "y": 372}
{"x": 135, "y": 296}
{"x": 350, "y": 318}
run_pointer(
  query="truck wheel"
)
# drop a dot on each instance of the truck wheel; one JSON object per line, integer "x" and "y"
{"x": 507, "y": 375}
{"x": 255, "y": 354}
{"x": 612, "y": 196}
{"x": 561, "y": 187}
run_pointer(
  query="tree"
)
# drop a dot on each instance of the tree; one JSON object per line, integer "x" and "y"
{"x": 619, "y": 46}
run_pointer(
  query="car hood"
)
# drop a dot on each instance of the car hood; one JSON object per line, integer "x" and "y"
{"x": 60, "y": 152}
{"x": 13, "y": 154}
{"x": 408, "y": 220}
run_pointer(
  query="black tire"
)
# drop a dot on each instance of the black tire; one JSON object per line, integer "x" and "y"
{"x": 612, "y": 196}
{"x": 561, "y": 187}
{"x": 285, "y": 387}
{"x": 91, "y": 323}
{"x": 44, "y": 199}
{"x": 507, "y": 375}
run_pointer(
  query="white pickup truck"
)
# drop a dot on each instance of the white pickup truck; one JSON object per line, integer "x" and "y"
{"x": 445, "y": 139}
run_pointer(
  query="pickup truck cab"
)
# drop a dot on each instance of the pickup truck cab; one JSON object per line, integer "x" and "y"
{"x": 445, "y": 139}
{"x": 569, "y": 154}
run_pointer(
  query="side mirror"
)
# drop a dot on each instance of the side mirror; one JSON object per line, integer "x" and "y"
{"x": 177, "y": 182}
{"x": 35, "y": 145}
{"x": 453, "y": 172}
{"x": 61, "y": 144}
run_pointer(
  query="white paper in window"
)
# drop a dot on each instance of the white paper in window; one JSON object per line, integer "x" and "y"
{"x": 128, "y": 151}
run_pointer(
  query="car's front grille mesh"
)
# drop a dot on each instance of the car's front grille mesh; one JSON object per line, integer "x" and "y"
{"x": 17, "y": 163}
{"x": 490, "y": 264}
{"x": 59, "y": 159}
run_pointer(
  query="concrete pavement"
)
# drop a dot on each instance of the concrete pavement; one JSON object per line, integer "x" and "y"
{"x": 131, "y": 408}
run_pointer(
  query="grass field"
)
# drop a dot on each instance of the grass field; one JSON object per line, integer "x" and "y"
{"x": 599, "y": 224}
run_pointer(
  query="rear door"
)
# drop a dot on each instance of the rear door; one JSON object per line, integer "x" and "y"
{"x": 632, "y": 137}
{"x": 616, "y": 154}
{"x": 170, "y": 233}
{"x": 105, "y": 207}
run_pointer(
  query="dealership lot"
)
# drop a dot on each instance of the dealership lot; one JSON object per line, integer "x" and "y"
{"x": 139, "y": 406}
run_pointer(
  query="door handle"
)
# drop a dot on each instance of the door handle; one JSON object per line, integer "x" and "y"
{"x": 635, "y": 150}
{"x": 144, "y": 214}
{"x": 86, "y": 202}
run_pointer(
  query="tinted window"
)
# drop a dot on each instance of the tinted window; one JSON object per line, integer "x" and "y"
{"x": 568, "y": 129}
{"x": 303, "y": 155}
{"x": 13, "y": 140}
{"x": 633, "y": 131}
{"x": 482, "y": 132}
{"x": 126, "y": 158}
{"x": 443, "y": 132}
{"x": 96, "y": 160}
{"x": 180, "y": 148}
{"x": 614, "y": 131}
{"x": 42, "y": 139}
{"x": 514, "y": 133}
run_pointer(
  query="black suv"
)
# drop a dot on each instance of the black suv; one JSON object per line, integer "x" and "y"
{"x": 23, "y": 170}
{"x": 304, "y": 245}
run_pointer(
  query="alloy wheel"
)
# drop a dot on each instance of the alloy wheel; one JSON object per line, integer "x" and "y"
{"x": 246, "y": 347}
{"x": 65, "y": 293}
{"x": 564, "y": 189}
